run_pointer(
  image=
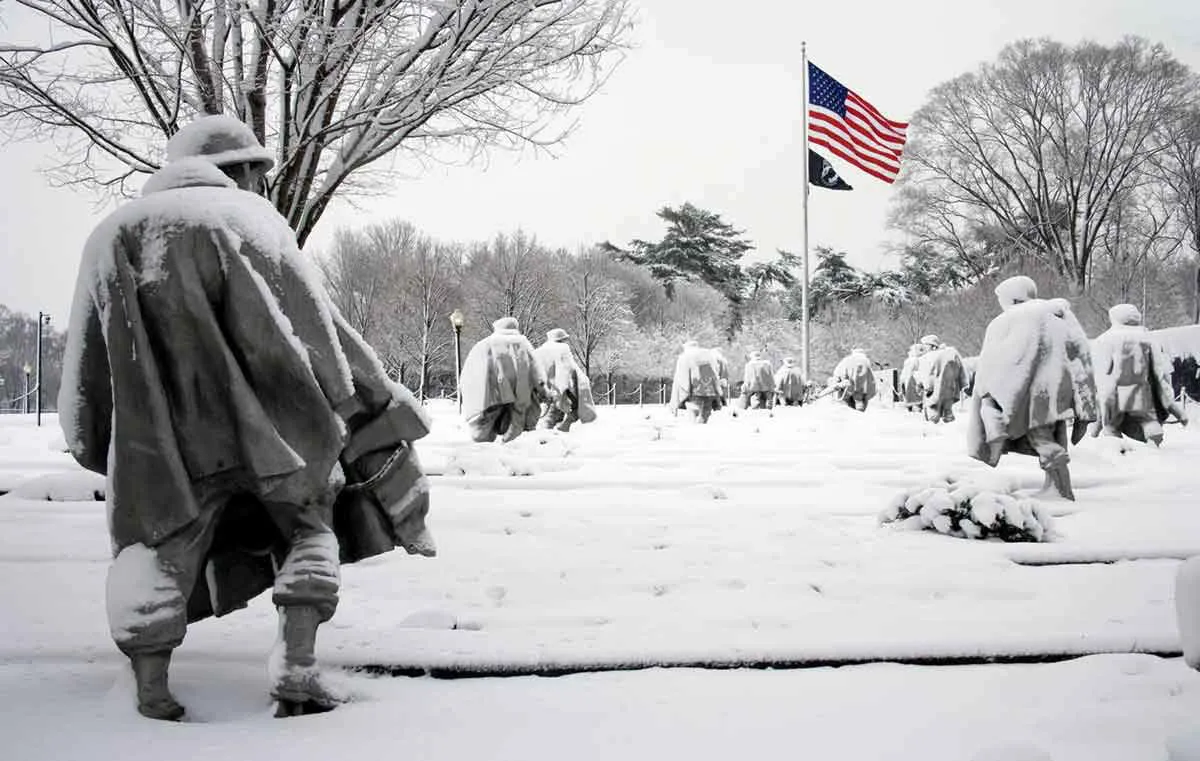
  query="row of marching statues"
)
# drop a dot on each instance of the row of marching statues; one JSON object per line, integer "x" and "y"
{"x": 1037, "y": 375}
{"x": 1038, "y": 385}
{"x": 701, "y": 383}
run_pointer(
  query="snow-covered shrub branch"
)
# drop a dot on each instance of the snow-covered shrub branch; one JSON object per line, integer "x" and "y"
{"x": 970, "y": 511}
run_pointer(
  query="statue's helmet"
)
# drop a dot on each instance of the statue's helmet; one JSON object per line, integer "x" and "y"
{"x": 1125, "y": 314}
{"x": 220, "y": 139}
{"x": 1016, "y": 290}
{"x": 506, "y": 323}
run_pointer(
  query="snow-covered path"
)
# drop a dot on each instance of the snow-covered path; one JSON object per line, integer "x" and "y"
{"x": 640, "y": 540}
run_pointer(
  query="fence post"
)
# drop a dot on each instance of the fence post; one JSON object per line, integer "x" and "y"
{"x": 640, "y": 393}
{"x": 662, "y": 392}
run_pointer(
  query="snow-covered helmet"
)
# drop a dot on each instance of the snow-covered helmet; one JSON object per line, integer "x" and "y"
{"x": 1125, "y": 314}
{"x": 1016, "y": 290}
{"x": 220, "y": 139}
{"x": 506, "y": 323}
{"x": 556, "y": 334}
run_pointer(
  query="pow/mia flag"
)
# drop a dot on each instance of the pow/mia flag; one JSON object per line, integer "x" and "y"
{"x": 822, "y": 175}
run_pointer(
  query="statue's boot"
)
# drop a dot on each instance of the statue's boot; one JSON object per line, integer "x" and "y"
{"x": 155, "y": 700}
{"x": 1060, "y": 478}
{"x": 297, "y": 681}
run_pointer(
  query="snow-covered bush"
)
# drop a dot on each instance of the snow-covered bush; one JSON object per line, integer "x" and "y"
{"x": 70, "y": 486}
{"x": 971, "y": 511}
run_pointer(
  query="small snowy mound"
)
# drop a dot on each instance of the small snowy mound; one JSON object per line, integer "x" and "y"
{"x": 706, "y": 491}
{"x": 1184, "y": 746}
{"x": 1187, "y": 609}
{"x": 429, "y": 619}
{"x": 970, "y": 510}
{"x": 488, "y": 461}
{"x": 1012, "y": 753}
{"x": 543, "y": 444}
{"x": 72, "y": 486}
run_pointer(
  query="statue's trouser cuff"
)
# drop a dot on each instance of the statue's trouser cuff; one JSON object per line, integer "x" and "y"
{"x": 148, "y": 587}
{"x": 1049, "y": 442}
{"x": 1120, "y": 422}
{"x": 309, "y": 574}
{"x": 492, "y": 422}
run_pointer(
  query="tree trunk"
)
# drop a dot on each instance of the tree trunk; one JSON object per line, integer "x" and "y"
{"x": 421, "y": 390}
{"x": 1196, "y": 305}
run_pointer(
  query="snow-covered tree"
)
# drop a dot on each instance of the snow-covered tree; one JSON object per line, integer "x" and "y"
{"x": 597, "y": 311}
{"x": 697, "y": 246}
{"x": 1040, "y": 147}
{"x": 512, "y": 276}
{"x": 335, "y": 87}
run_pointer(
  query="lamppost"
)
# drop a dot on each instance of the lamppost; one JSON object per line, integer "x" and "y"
{"x": 43, "y": 319}
{"x": 25, "y": 398}
{"x": 457, "y": 319}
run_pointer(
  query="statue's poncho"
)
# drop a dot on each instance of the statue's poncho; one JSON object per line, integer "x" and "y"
{"x": 1133, "y": 378}
{"x": 940, "y": 373}
{"x": 854, "y": 370}
{"x": 1034, "y": 370}
{"x": 757, "y": 377}
{"x": 564, "y": 375}
{"x": 697, "y": 374}
{"x": 789, "y": 381}
{"x": 202, "y": 343}
{"x": 501, "y": 369}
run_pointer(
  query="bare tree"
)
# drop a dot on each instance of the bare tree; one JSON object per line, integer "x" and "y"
{"x": 1041, "y": 144}
{"x": 361, "y": 278}
{"x": 1179, "y": 167}
{"x": 598, "y": 310}
{"x": 333, "y": 85}
{"x": 1141, "y": 234}
{"x": 430, "y": 274}
{"x": 513, "y": 275}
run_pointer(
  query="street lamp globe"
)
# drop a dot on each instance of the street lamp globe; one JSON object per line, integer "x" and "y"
{"x": 27, "y": 368}
{"x": 457, "y": 319}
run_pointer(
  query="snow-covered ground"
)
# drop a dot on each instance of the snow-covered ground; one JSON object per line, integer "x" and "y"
{"x": 642, "y": 540}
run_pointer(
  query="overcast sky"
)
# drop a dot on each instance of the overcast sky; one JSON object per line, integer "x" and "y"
{"x": 705, "y": 109}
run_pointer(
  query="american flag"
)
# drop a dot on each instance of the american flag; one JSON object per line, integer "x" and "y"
{"x": 851, "y": 128}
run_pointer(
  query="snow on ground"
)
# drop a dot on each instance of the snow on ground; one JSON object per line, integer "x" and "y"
{"x": 642, "y": 540}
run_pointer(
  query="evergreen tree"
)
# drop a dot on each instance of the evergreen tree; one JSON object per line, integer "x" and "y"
{"x": 698, "y": 245}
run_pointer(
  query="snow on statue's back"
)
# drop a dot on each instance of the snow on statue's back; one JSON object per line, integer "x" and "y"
{"x": 209, "y": 377}
{"x": 1025, "y": 357}
{"x": 1033, "y": 378}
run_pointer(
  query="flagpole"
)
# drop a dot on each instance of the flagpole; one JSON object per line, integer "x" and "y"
{"x": 804, "y": 361}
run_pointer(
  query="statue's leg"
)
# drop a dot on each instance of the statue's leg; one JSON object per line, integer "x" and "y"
{"x": 147, "y": 592}
{"x": 1049, "y": 444}
{"x": 1152, "y": 430}
{"x": 571, "y": 416}
{"x": 155, "y": 700}
{"x": 515, "y": 420}
{"x": 295, "y": 677}
{"x": 306, "y": 595}
{"x": 552, "y": 417}
{"x": 483, "y": 427}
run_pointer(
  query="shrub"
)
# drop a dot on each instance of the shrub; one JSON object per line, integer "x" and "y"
{"x": 967, "y": 510}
